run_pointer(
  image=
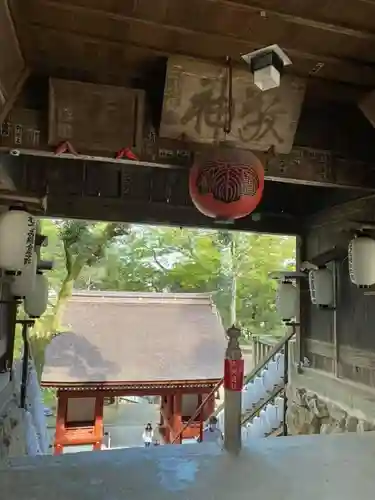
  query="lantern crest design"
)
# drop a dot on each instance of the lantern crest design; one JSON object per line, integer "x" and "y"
{"x": 226, "y": 184}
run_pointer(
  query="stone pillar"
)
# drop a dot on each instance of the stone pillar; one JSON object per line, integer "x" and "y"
{"x": 233, "y": 381}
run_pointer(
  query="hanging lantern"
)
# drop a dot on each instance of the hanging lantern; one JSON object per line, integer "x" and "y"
{"x": 36, "y": 301}
{"x": 321, "y": 287}
{"x": 287, "y": 300}
{"x": 272, "y": 421}
{"x": 226, "y": 184}
{"x": 23, "y": 283}
{"x": 362, "y": 261}
{"x": 17, "y": 238}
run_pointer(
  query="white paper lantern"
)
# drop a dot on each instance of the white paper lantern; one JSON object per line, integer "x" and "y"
{"x": 259, "y": 391}
{"x": 23, "y": 284}
{"x": 321, "y": 286}
{"x": 287, "y": 300}
{"x": 17, "y": 239}
{"x": 250, "y": 396}
{"x": 256, "y": 430}
{"x": 220, "y": 420}
{"x": 246, "y": 397}
{"x": 279, "y": 403}
{"x": 272, "y": 418}
{"x": 361, "y": 255}
{"x": 36, "y": 301}
{"x": 265, "y": 425}
{"x": 280, "y": 360}
{"x": 270, "y": 379}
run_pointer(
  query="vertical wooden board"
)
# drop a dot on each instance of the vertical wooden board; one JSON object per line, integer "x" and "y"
{"x": 195, "y": 107}
{"x": 367, "y": 106}
{"x": 24, "y": 128}
{"x": 94, "y": 117}
{"x": 194, "y": 101}
{"x": 12, "y": 65}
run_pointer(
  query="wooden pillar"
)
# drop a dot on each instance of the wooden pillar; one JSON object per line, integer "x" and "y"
{"x": 62, "y": 406}
{"x": 304, "y": 302}
{"x": 167, "y": 412}
{"x": 98, "y": 425}
{"x": 177, "y": 415}
{"x": 233, "y": 380}
{"x": 201, "y": 418}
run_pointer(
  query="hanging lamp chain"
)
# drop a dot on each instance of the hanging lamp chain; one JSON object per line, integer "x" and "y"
{"x": 229, "y": 113}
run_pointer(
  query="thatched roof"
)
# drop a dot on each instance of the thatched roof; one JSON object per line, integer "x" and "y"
{"x": 117, "y": 338}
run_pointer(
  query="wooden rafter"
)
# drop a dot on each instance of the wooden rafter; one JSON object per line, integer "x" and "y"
{"x": 341, "y": 54}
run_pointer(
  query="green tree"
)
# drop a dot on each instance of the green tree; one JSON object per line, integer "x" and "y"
{"x": 72, "y": 246}
{"x": 234, "y": 267}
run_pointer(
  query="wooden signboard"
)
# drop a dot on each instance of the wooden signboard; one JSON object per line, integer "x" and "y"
{"x": 24, "y": 128}
{"x": 196, "y": 103}
{"x": 95, "y": 117}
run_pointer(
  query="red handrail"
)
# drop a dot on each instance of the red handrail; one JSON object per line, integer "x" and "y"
{"x": 198, "y": 410}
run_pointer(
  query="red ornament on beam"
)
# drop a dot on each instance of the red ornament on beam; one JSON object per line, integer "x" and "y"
{"x": 226, "y": 184}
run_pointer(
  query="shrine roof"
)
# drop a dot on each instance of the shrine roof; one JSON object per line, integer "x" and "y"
{"x": 120, "y": 338}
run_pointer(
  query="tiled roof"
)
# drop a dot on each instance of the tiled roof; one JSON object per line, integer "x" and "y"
{"x": 136, "y": 337}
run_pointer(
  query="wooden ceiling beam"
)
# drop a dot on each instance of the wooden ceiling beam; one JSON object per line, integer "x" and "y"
{"x": 166, "y": 36}
{"x": 304, "y": 64}
{"x": 91, "y": 208}
{"x": 13, "y": 71}
{"x": 266, "y": 13}
{"x": 234, "y": 6}
{"x": 358, "y": 14}
{"x": 367, "y": 106}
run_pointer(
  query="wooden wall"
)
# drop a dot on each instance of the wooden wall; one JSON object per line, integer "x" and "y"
{"x": 13, "y": 71}
{"x": 8, "y": 310}
{"x": 340, "y": 341}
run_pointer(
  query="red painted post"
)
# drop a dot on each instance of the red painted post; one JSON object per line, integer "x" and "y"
{"x": 233, "y": 382}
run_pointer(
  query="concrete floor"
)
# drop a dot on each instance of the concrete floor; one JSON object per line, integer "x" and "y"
{"x": 126, "y": 422}
{"x": 327, "y": 467}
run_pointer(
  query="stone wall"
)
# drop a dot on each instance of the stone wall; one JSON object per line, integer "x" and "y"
{"x": 12, "y": 427}
{"x": 310, "y": 414}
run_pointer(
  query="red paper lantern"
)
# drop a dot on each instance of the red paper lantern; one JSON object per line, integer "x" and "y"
{"x": 226, "y": 184}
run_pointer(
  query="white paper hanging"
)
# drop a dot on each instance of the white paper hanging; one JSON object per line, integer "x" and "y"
{"x": 35, "y": 406}
{"x": 32, "y": 443}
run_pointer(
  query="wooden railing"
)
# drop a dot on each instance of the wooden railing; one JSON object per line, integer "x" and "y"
{"x": 261, "y": 347}
{"x": 272, "y": 349}
{"x": 197, "y": 411}
{"x": 282, "y": 344}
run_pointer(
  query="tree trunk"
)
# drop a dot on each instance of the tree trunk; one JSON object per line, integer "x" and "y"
{"x": 38, "y": 346}
{"x": 63, "y": 296}
{"x": 40, "y": 340}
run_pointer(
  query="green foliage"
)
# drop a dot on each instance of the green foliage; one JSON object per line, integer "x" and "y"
{"x": 72, "y": 245}
{"x": 234, "y": 267}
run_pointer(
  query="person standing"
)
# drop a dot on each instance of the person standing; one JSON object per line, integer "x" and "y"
{"x": 156, "y": 437}
{"x": 212, "y": 432}
{"x": 147, "y": 435}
